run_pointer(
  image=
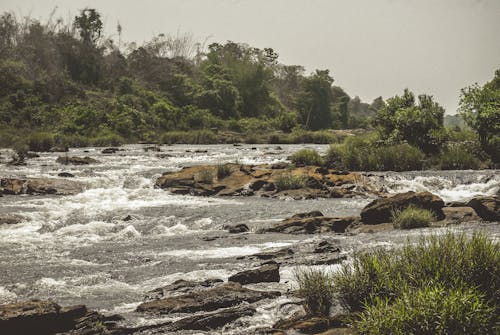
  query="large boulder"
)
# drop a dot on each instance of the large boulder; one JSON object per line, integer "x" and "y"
{"x": 460, "y": 214}
{"x": 268, "y": 272}
{"x": 222, "y": 296}
{"x": 488, "y": 208}
{"x": 380, "y": 210}
{"x": 15, "y": 186}
{"x": 38, "y": 317}
{"x": 311, "y": 223}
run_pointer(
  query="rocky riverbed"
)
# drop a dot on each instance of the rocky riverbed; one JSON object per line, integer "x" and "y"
{"x": 133, "y": 241}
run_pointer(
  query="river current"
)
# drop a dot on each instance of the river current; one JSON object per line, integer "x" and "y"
{"x": 79, "y": 249}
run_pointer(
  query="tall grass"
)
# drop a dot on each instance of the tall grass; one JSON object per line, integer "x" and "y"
{"x": 289, "y": 181}
{"x": 306, "y": 157}
{"x": 453, "y": 261}
{"x": 458, "y": 158}
{"x": 365, "y": 154}
{"x": 224, "y": 170}
{"x": 189, "y": 137}
{"x": 412, "y": 217}
{"x": 315, "y": 287}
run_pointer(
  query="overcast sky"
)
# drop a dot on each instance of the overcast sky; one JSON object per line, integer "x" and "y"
{"x": 372, "y": 47}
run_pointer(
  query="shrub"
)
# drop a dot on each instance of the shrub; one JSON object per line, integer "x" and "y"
{"x": 299, "y": 136}
{"x": 40, "y": 141}
{"x": 450, "y": 260}
{"x": 458, "y": 158}
{"x": 363, "y": 153}
{"x": 107, "y": 140}
{"x": 189, "y": 137}
{"x": 315, "y": 287}
{"x": 206, "y": 176}
{"x": 223, "y": 170}
{"x": 428, "y": 311}
{"x": 412, "y": 217}
{"x": 306, "y": 157}
{"x": 288, "y": 181}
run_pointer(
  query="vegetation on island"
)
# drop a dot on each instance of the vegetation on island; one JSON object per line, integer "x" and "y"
{"x": 446, "y": 284}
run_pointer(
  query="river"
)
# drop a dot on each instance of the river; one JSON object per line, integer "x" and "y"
{"x": 79, "y": 249}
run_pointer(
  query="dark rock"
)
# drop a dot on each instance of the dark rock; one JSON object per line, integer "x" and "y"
{"x": 200, "y": 151}
{"x": 279, "y": 166}
{"x": 10, "y": 219}
{"x": 152, "y": 148}
{"x": 315, "y": 325}
{"x": 460, "y": 214}
{"x": 212, "y": 320}
{"x": 258, "y": 184}
{"x": 66, "y": 175}
{"x": 223, "y": 296}
{"x": 109, "y": 150}
{"x": 180, "y": 286}
{"x": 380, "y": 210}
{"x": 238, "y": 228}
{"x": 281, "y": 253}
{"x": 307, "y": 223}
{"x": 325, "y": 246}
{"x": 59, "y": 149}
{"x": 322, "y": 170}
{"x": 31, "y": 154}
{"x": 128, "y": 218}
{"x": 269, "y": 272}
{"x": 75, "y": 160}
{"x": 38, "y": 317}
{"x": 488, "y": 208}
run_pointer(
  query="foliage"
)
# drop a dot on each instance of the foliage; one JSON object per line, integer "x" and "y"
{"x": 480, "y": 108}
{"x": 418, "y": 123}
{"x": 289, "y": 181}
{"x": 314, "y": 104}
{"x": 458, "y": 157}
{"x": 306, "y": 157}
{"x": 428, "y": 311}
{"x": 315, "y": 287}
{"x": 40, "y": 141}
{"x": 412, "y": 217}
{"x": 189, "y": 137}
{"x": 451, "y": 260}
{"x": 224, "y": 170}
{"x": 364, "y": 153}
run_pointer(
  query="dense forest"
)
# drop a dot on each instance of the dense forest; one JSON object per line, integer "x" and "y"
{"x": 68, "y": 83}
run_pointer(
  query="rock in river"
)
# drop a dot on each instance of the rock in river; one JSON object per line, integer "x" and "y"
{"x": 488, "y": 208}
{"x": 311, "y": 223}
{"x": 380, "y": 210}
{"x": 268, "y": 272}
{"x": 14, "y": 186}
{"x": 222, "y": 296}
{"x": 76, "y": 160}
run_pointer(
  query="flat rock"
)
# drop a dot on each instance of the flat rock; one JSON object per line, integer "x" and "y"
{"x": 267, "y": 273}
{"x": 212, "y": 320}
{"x": 180, "y": 286}
{"x": 222, "y": 296}
{"x": 14, "y": 186}
{"x": 306, "y": 223}
{"x": 488, "y": 208}
{"x": 380, "y": 210}
{"x": 76, "y": 160}
{"x": 460, "y": 214}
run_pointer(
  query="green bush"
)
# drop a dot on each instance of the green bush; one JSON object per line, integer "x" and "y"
{"x": 189, "y": 137}
{"x": 306, "y": 157}
{"x": 40, "y": 141}
{"x": 299, "y": 136}
{"x": 224, "y": 170}
{"x": 366, "y": 154}
{"x": 458, "y": 158}
{"x": 106, "y": 140}
{"x": 288, "y": 181}
{"x": 315, "y": 287}
{"x": 432, "y": 310}
{"x": 412, "y": 217}
{"x": 451, "y": 260}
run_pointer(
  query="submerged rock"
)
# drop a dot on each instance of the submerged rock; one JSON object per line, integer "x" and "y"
{"x": 222, "y": 296}
{"x": 10, "y": 219}
{"x": 488, "y": 208}
{"x": 76, "y": 160}
{"x": 268, "y": 272}
{"x": 66, "y": 175}
{"x": 109, "y": 150}
{"x": 380, "y": 210}
{"x": 238, "y": 228}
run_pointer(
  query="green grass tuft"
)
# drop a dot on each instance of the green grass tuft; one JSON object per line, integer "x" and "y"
{"x": 412, "y": 217}
{"x": 307, "y": 157}
{"x": 315, "y": 287}
{"x": 288, "y": 181}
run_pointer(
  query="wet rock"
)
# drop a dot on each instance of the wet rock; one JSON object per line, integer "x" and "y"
{"x": 108, "y": 151}
{"x": 10, "y": 219}
{"x": 128, "y": 218}
{"x": 269, "y": 272}
{"x": 66, "y": 175}
{"x": 314, "y": 325}
{"x": 42, "y": 186}
{"x": 212, "y": 320}
{"x": 223, "y": 296}
{"x": 281, "y": 253}
{"x": 380, "y": 210}
{"x": 31, "y": 154}
{"x": 325, "y": 246}
{"x": 180, "y": 286}
{"x": 460, "y": 214}
{"x": 59, "y": 149}
{"x": 308, "y": 223}
{"x": 38, "y": 317}
{"x": 152, "y": 148}
{"x": 488, "y": 208}
{"x": 236, "y": 229}
{"x": 76, "y": 160}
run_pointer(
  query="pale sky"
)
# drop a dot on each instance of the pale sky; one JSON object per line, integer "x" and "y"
{"x": 372, "y": 47}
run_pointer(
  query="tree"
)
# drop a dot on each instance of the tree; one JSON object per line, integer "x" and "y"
{"x": 314, "y": 103}
{"x": 89, "y": 25}
{"x": 418, "y": 123}
{"x": 480, "y": 108}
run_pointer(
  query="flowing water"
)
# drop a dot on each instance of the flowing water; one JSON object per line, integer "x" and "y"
{"x": 79, "y": 249}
